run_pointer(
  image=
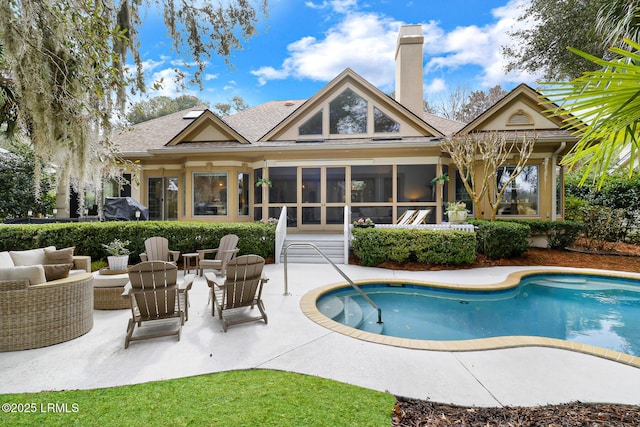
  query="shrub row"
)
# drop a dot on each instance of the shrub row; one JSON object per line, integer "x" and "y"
{"x": 88, "y": 237}
{"x": 436, "y": 247}
{"x": 560, "y": 234}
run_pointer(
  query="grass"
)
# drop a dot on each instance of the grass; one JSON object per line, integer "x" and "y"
{"x": 234, "y": 398}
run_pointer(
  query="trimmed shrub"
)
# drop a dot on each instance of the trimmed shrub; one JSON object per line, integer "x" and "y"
{"x": 435, "y": 247}
{"x": 502, "y": 239}
{"x": 560, "y": 234}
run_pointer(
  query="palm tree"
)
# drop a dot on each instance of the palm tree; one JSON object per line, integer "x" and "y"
{"x": 605, "y": 109}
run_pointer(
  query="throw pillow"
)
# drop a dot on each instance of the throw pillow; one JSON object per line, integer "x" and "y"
{"x": 56, "y": 271}
{"x": 33, "y": 273}
{"x": 59, "y": 256}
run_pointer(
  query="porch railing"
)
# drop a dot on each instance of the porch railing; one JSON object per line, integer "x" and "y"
{"x": 281, "y": 234}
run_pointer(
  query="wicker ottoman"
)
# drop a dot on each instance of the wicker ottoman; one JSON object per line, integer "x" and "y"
{"x": 107, "y": 291}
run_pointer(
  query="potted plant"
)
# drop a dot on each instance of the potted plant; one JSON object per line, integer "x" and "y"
{"x": 364, "y": 223}
{"x": 457, "y": 212}
{"x": 118, "y": 254}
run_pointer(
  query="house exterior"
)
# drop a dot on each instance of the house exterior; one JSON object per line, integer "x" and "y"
{"x": 349, "y": 144}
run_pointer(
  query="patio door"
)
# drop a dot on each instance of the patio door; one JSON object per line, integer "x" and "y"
{"x": 321, "y": 197}
{"x": 162, "y": 196}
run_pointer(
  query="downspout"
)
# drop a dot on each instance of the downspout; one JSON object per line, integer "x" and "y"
{"x": 554, "y": 189}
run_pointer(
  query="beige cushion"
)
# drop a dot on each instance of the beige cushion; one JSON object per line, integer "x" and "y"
{"x": 56, "y": 271}
{"x": 6, "y": 260}
{"x": 30, "y": 257}
{"x": 58, "y": 256}
{"x": 33, "y": 273}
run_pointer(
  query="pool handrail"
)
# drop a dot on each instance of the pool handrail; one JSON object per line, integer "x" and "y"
{"x": 342, "y": 273}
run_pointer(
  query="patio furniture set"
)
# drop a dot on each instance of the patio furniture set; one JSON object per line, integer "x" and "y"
{"x": 36, "y": 313}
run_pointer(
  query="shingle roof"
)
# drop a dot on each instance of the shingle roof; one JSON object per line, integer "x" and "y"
{"x": 252, "y": 123}
{"x": 153, "y": 133}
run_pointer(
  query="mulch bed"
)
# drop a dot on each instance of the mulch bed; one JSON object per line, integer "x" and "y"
{"x": 426, "y": 413}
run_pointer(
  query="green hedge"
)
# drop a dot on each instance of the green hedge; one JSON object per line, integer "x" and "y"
{"x": 88, "y": 237}
{"x": 436, "y": 247}
{"x": 502, "y": 239}
{"x": 561, "y": 234}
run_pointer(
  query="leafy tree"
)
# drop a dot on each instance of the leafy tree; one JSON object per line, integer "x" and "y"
{"x": 558, "y": 24}
{"x": 67, "y": 64}
{"x": 17, "y": 177}
{"x": 605, "y": 109}
{"x": 236, "y": 104}
{"x": 160, "y": 106}
{"x": 495, "y": 149}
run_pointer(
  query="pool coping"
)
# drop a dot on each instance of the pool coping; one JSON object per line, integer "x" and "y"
{"x": 308, "y": 307}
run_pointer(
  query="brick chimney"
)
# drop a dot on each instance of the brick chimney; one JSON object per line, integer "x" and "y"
{"x": 409, "y": 91}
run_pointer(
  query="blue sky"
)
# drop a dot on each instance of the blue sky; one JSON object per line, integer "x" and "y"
{"x": 302, "y": 45}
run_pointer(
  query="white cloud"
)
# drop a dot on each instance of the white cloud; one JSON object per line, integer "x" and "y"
{"x": 366, "y": 43}
{"x": 340, "y": 6}
{"x": 208, "y": 77}
{"x": 436, "y": 86}
{"x": 480, "y": 47}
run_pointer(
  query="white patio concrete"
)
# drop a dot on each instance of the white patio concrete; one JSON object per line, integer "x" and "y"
{"x": 291, "y": 342}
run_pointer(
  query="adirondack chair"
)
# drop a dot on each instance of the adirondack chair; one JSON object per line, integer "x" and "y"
{"x": 241, "y": 288}
{"x": 223, "y": 254}
{"x": 157, "y": 249}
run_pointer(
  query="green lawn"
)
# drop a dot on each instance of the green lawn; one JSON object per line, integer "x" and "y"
{"x": 236, "y": 398}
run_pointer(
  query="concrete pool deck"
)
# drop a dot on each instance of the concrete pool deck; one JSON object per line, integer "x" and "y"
{"x": 292, "y": 342}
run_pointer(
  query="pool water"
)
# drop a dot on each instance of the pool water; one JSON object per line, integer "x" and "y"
{"x": 594, "y": 310}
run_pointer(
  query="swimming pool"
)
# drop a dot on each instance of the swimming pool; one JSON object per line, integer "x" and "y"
{"x": 576, "y": 311}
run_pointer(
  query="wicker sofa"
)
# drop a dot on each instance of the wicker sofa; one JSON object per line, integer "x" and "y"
{"x": 36, "y": 313}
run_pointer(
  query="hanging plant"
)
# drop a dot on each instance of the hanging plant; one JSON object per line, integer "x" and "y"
{"x": 263, "y": 181}
{"x": 440, "y": 179}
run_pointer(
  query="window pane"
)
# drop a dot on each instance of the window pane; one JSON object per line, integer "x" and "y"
{"x": 311, "y": 215}
{"x": 371, "y": 184}
{"x": 461, "y": 194}
{"x": 348, "y": 114}
{"x": 284, "y": 185}
{"x": 310, "y": 185}
{"x": 313, "y": 126}
{"x": 414, "y": 183}
{"x": 257, "y": 191}
{"x": 559, "y": 191}
{"x": 335, "y": 185}
{"x": 243, "y": 194}
{"x": 521, "y": 197}
{"x": 210, "y": 194}
{"x": 335, "y": 215}
{"x": 383, "y": 123}
{"x": 378, "y": 214}
{"x": 292, "y": 215}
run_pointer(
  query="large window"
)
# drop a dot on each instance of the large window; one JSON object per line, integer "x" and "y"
{"x": 383, "y": 123}
{"x": 348, "y": 114}
{"x": 414, "y": 183}
{"x": 371, "y": 184}
{"x": 313, "y": 126}
{"x": 210, "y": 194}
{"x": 521, "y": 197}
{"x": 284, "y": 185}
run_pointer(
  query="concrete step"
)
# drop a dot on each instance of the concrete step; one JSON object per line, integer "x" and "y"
{"x": 331, "y": 245}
